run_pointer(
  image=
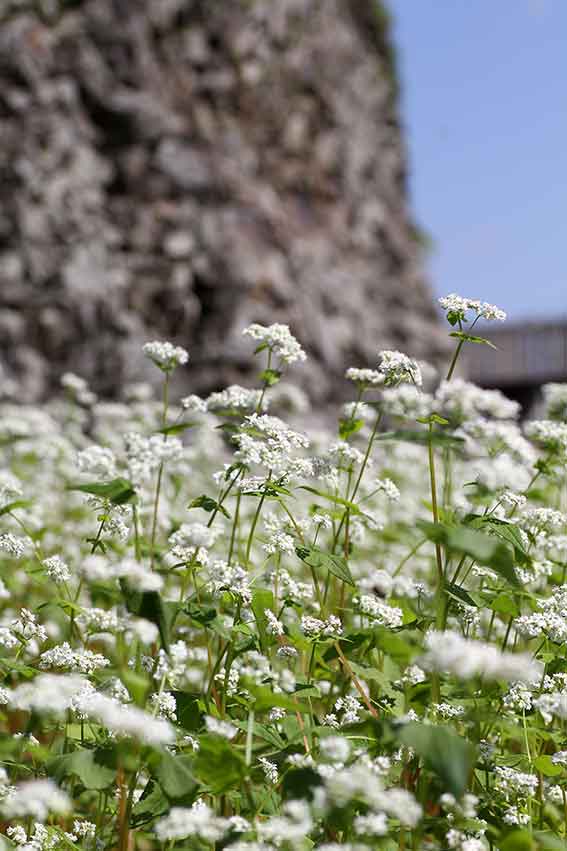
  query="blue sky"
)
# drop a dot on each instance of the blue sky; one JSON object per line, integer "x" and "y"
{"x": 484, "y": 102}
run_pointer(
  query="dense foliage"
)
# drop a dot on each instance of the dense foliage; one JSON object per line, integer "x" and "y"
{"x": 220, "y": 629}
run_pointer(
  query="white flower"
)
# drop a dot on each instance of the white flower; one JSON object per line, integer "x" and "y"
{"x": 382, "y": 613}
{"x": 235, "y": 398}
{"x": 36, "y": 799}
{"x": 80, "y": 661}
{"x": 316, "y": 628}
{"x": 456, "y": 307}
{"x": 388, "y": 488}
{"x": 198, "y": 821}
{"x": 366, "y": 377}
{"x": 12, "y": 544}
{"x": 335, "y": 748}
{"x": 450, "y": 653}
{"x": 398, "y": 367}
{"x": 279, "y": 340}
{"x": 220, "y": 728}
{"x": 165, "y": 355}
{"x": 123, "y": 720}
{"x": 57, "y": 569}
{"x": 270, "y": 769}
{"x": 274, "y": 626}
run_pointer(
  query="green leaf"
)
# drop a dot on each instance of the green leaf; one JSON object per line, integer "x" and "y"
{"x": 518, "y": 840}
{"x": 348, "y": 427}
{"x": 149, "y": 605}
{"x": 470, "y": 338}
{"x": 265, "y": 699}
{"x": 484, "y": 549}
{"x": 201, "y": 613}
{"x": 188, "y": 712}
{"x": 83, "y": 764}
{"x": 459, "y": 593}
{"x": 137, "y": 684}
{"x": 218, "y": 764}
{"x": 316, "y": 558}
{"x": 151, "y": 805}
{"x": 504, "y": 605}
{"x": 506, "y": 531}
{"x": 549, "y": 841}
{"x": 545, "y": 766}
{"x": 12, "y": 506}
{"x": 177, "y": 428}
{"x": 270, "y": 377}
{"x": 354, "y": 509}
{"x": 175, "y": 775}
{"x": 207, "y": 503}
{"x": 118, "y": 491}
{"x": 449, "y": 756}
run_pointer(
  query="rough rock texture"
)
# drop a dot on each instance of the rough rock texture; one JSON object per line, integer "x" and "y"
{"x": 176, "y": 169}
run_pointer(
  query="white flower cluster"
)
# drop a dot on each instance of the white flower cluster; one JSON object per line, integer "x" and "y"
{"x": 456, "y": 308}
{"x": 550, "y": 435}
{"x": 450, "y": 653}
{"x": 316, "y": 628}
{"x": 35, "y": 799}
{"x": 365, "y": 377}
{"x": 235, "y": 398}
{"x": 550, "y": 620}
{"x": 555, "y": 401}
{"x": 397, "y": 368}
{"x": 279, "y": 339}
{"x": 379, "y": 611}
{"x": 78, "y": 661}
{"x": 57, "y": 569}
{"x": 165, "y": 355}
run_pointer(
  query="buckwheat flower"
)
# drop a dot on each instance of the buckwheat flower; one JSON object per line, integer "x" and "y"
{"x": 97, "y": 461}
{"x": 270, "y": 770}
{"x": 316, "y": 628}
{"x": 515, "y": 784}
{"x": 36, "y": 799}
{"x": 548, "y": 434}
{"x": 220, "y": 728}
{"x": 194, "y": 403}
{"x": 56, "y": 569}
{"x": 137, "y": 575}
{"x": 323, "y": 521}
{"x": 365, "y": 377}
{"x": 335, "y": 748}
{"x": 536, "y": 519}
{"x": 164, "y": 705}
{"x": 12, "y": 544}
{"x": 279, "y": 340}
{"x": 165, "y": 355}
{"x": 373, "y": 824}
{"x": 235, "y": 398}
{"x": 17, "y": 834}
{"x": 129, "y": 721}
{"x": 292, "y": 826}
{"x": 559, "y": 758}
{"x": 276, "y": 714}
{"x": 456, "y": 308}
{"x": 406, "y": 402}
{"x": 349, "y": 707}
{"x": 555, "y": 401}
{"x": 447, "y": 710}
{"x": 199, "y": 821}
{"x": 459, "y": 400}
{"x": 398, "y": 368}
{"x": 46, "y": 693}
{"x": 27, "y": 628}
{"x": 378, "y": 611}
{"x": 450, "y": 653}
{"x": 273, "y": 626}
{"x": 279, "y": 542}
{"x": 388, "y": 488}
{"x": 512, "y": 500}
{"x": 230, "y": 577}
{"x": 79, "y": 661}
{"x": 413, "y": 675}
{"x": 287, "y": 651}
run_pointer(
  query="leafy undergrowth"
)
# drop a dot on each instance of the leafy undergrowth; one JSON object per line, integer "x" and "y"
{"x": 219, "y": 630}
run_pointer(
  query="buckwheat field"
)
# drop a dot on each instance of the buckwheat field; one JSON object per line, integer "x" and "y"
{"x": 222, "y": 629}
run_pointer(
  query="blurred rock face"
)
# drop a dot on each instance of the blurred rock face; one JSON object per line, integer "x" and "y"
{"x": 181, "y": 168}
